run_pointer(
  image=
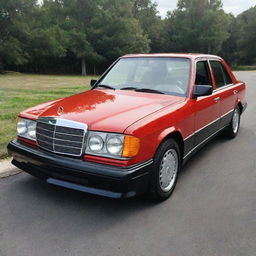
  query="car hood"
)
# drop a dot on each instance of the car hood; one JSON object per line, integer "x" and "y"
{"x": 104, "y": 109}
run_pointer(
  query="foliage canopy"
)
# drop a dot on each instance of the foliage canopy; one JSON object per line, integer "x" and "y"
{"x": 90, "y": 34}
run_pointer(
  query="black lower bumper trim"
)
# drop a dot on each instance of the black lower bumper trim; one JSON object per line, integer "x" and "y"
{"x": 94, "y": 178}
{"x": 90, "y": 190}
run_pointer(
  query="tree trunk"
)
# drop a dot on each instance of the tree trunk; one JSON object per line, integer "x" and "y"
{"x": 83, "y": 62}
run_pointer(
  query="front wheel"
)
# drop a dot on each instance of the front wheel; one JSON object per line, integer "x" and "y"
{"x": 233, "y": 128}
{"x": 167, "y": 162}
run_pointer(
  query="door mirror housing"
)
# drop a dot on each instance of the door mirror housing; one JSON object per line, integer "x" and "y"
{"x": 201, "y": 90}
{"x": 93, "y": 81}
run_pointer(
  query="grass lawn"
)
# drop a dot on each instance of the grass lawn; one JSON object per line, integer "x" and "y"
{"x": 21, "y": 91}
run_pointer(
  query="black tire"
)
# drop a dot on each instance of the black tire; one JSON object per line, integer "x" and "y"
{"x": 155, "y": 190}
{"x": 232, "y": 131}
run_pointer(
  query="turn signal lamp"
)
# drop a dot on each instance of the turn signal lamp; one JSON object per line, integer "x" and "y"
{"x": 131, "y": 146}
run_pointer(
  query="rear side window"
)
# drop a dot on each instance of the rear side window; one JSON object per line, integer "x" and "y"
{"x": 221, "y": 75}
{"x": 227, "y": 77}
{"x": 202, "y": 73}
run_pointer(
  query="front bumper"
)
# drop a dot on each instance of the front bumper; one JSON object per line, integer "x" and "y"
{"x": 94, "y": 178}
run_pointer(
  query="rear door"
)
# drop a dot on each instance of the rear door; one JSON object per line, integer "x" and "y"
{"x": 226, "y": 91}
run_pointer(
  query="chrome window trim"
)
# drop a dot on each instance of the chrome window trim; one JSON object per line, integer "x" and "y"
{"x": 223, "y": 87}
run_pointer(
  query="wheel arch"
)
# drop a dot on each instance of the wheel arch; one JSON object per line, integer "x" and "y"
{"x": 175, "y": 135}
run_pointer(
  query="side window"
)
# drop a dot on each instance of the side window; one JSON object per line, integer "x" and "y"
{"x": 218, "y": 73}
{"x": 202, "y": 73}
{"x": 221, "y": 75}
{"x": 227, "y": 77}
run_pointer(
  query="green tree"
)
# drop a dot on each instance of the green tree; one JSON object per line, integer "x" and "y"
{"x": 79, "y": 15}
{"x": 102, "y": 30}
{"x": 48, "y": 38}
{"x": 198, "y": 26}
{"x": 117, "y": 32}
{"x": 14, "y": 31}
{"x": 229, "y": 49}
{"x": 145, "y": 11}
{"x": 246, "y": 36}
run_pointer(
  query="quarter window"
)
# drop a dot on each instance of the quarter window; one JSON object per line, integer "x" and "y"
{"x": 221, "y": 75}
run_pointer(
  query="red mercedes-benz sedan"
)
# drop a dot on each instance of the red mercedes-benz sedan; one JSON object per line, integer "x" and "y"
{"x": 132, "y": 132}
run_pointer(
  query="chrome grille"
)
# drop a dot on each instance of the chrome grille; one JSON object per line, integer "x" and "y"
{"x": 60, "y": 135}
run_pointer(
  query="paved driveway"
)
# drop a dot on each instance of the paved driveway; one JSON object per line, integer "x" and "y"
{"x": 212, "y": 211}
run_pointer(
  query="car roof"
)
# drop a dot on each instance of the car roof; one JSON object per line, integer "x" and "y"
{"x": 174, "y": 55}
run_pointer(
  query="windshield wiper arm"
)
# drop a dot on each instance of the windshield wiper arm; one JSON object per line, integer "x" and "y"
{"x": 106, "y": 86}
{"x": 129, "y": 88}
{"x": 142, "y": 90}
{"x": 149, "y": 90}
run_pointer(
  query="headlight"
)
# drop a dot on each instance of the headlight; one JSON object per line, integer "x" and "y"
{"x": 95, "y": 143}
{"x": 112, "y": 145}
{"x": 32, "y": 129}
{"x": 26, "y": 128}
{"x": 22, "y": 127}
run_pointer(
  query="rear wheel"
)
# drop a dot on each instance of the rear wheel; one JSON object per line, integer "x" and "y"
{"x": 167, "y": 162}
{"x": 233, "y": 128}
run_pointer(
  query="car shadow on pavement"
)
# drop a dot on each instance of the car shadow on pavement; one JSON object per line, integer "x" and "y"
{"x": 68, "y": 198}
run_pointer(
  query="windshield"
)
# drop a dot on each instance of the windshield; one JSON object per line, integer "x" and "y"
{"x": 163, "y": 75}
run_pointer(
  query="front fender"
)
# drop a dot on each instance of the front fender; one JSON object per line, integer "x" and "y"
{"x": 177, "y": 134}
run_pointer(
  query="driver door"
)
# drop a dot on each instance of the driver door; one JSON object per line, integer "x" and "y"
{"x": 207, "y": 108}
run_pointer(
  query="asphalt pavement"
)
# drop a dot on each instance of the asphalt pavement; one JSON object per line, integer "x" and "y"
{"x": 211, "y": 212}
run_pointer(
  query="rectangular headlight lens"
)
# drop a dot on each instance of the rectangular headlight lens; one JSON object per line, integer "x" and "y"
{"x": 105, "y": 144}
{"x": 112, "y": 145}
{"x": 26, "y": 128}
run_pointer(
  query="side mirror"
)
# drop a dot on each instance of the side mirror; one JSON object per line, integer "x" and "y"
{"x": 93, "y": 82}
{"x": 201, "y": 90}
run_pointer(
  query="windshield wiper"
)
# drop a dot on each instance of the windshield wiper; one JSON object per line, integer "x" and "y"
{"x": 142, "y": 90}
{"x": 149, "y": 90}
{"x": 106, "y": 86}
{"x": 129, "y": 88}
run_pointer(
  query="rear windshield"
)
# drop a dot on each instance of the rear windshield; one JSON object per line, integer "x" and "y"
{"x": 167, "y": 75}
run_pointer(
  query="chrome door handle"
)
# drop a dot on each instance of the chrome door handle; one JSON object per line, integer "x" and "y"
{"x": 217, "y": 99}
{"x": 235, "y": 92}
